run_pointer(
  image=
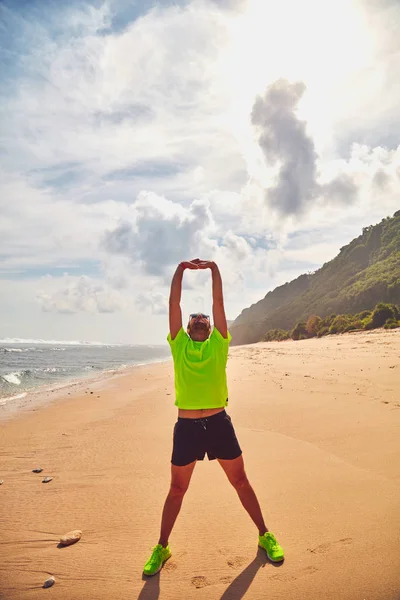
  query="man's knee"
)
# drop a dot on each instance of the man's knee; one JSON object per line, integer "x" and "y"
{"x": 240, "y": 482}
{"x": 178, "y": 489}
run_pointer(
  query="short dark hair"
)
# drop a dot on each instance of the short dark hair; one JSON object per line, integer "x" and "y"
{"x": 192, "y": 315}
{"x": 197, "y": 314}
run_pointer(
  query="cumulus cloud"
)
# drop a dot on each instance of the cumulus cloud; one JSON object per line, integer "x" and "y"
{"x": 286, "y": 145}
{"x": 153, "y": 302}
{"x": 73, "y": 295}
{"x": 381, "y": 180}
{"x": 284, "y": 141}
{"x": 160, "y": 232}
{"x": 236, "y": 246}
{"x": 342, "y": 189}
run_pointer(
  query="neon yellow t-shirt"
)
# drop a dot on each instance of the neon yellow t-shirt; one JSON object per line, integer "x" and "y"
{"x": 200, "y": 370}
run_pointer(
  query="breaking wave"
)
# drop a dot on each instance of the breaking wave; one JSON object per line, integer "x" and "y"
{"x": 24, "y": 368}
{"x": 33, "y": 349}
{"x": 51, "y": 342}
{"x": 19, "y": 377}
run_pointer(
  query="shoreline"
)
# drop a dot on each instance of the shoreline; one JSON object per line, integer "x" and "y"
{"x": 41, "y": 396}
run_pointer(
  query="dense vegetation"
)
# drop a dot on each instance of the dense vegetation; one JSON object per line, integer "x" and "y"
{"x": 364, "y": 273}
{"x": 383, "y": 315}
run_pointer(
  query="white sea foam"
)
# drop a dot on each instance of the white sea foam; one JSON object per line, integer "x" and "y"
{"x": 12, "y": 378}
{"x": 17, "y": 397}
{"x": 53, "y": 342}
{"x": 19, "y": 350}
{"x": 14, "y": 349}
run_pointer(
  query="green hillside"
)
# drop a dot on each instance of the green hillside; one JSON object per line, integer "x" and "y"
{"x": 363, "y": 274}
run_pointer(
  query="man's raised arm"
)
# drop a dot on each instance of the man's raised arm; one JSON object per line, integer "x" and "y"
{"x": 217, "y": 294}
{"x": 175, "y": 312}
{"x": 218, "y": 302}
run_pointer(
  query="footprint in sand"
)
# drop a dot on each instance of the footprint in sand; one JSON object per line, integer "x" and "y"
{"x": 294, "y": 576}
{"x": 236, "y": 562}
{"x": 327, "y": 547}
{"x": 199, "y": 581}
{"x": 226, "y": 579}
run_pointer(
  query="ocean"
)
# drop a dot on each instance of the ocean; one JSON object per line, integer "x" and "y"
{"x": 31, "y": 365}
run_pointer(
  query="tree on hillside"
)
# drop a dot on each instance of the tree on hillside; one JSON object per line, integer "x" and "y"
{"x": 382, "y": 313}
{"x": 313, "y": 324}
{"x": 299, "y": 332}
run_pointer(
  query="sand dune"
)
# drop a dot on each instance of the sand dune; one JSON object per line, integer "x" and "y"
{"x": 318, "y": 422}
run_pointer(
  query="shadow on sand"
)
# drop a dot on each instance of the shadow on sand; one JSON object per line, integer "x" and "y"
{"x": 239, "y": 586}
{"x": 236, "y": 589}
{"x": 151, "y": 588}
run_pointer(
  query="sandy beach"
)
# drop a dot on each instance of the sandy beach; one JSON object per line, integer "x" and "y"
{"x": 318, "y": 422}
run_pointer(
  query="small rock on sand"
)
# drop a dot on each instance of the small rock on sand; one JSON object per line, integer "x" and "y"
{"x": 1, "y": 482}
{"x": 71, "y": 537}
{"x": 38, "y": 470}
{"x": 47, "y": 479}
{"x": 49, "y": 582}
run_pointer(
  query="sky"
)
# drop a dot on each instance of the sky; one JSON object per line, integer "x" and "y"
{"x": 136, "y": 134}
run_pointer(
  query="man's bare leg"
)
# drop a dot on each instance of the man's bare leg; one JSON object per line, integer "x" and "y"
{"x": 180, "y": 479}
{"x": 236, "y": 474}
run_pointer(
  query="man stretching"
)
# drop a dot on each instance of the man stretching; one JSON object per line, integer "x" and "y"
{"x": 203, "y": 425}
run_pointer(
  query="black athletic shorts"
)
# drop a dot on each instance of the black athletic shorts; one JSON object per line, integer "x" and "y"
{"x": 214, "y": 435}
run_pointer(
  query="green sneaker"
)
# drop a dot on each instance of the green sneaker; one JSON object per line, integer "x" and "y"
{"x": 157, "y": 559}
{"x": 271, "y": 546}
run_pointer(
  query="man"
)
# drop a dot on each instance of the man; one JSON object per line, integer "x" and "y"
{"x": 203, "y": 426}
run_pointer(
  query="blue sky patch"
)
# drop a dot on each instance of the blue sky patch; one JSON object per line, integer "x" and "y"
{"x": 124, "y": 12}
{"x": 149, "y": 169}
{"x": 61, "y": 176}
{"x": 89, "y": 268}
